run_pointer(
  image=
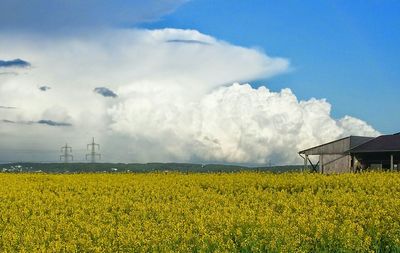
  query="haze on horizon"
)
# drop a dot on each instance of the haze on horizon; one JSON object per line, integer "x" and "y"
{"x": 151, "y": 89}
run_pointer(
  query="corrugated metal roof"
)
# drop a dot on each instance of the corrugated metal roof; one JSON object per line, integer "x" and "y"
{"x": 356, "y": 141}
{"x": 384, "y": 143}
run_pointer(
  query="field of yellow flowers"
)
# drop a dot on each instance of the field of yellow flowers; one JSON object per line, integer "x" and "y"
{"x": 237, "y": 212}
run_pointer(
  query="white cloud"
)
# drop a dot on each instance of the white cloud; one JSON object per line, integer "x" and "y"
{"x": 176, "y": 101}
{"x": 235, "y": 124}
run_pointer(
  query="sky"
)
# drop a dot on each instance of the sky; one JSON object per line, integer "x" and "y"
{"x": 344, "y": 51}
{"x": 247, "y": 82}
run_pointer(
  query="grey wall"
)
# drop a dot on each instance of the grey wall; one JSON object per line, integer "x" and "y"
{"x": 336, "y": 163}
{"x": 336, "y": 147}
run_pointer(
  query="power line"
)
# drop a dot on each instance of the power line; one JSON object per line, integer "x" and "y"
{"x": 93, "y": 154}
{"x": 67, "y": 153}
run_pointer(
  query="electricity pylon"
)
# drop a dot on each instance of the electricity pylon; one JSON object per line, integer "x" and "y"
{"x": 93, "y": 153}
{"x": 67, "y": 153}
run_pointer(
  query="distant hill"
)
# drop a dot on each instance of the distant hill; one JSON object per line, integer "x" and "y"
{"x": 137, "y": 167}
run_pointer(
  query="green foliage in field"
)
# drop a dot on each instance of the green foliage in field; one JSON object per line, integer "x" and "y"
{"x": 137, "y": 167}
{"x": 169, "y": 212}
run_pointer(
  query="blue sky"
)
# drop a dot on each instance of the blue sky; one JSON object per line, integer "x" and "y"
{"x": 344, "y": 51}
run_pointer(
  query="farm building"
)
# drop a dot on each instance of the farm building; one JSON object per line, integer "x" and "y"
{"x": 355, "y": 153}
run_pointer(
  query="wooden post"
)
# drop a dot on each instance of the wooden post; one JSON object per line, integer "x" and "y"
{"x": 391, "y": 162}
{"x": 321, "y": 164}
{"x": 351, "y": 163}
{"x": 305, "y": 162}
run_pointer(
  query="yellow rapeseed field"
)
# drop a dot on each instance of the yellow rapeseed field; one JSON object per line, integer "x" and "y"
{"x": 238, "y": 212}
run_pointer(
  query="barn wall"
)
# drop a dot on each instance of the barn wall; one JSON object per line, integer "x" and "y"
{"x": 331, "y": 164}
{"x": 337, "y": 147}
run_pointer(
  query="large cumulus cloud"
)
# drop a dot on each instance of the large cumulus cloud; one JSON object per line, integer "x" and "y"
{"x": 236, "y": 123}
{"x": 179, "y": 99}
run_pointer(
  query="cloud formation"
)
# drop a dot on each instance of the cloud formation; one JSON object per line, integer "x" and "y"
{"x": 176, "y": 101}
{"x": 42, "y": 122}
{"x": 44, "y": 88}
{"x": 17, "y": 63}
{"x": 52, "y": 123}
{"x": 7, "y": 107}
{"x": 235, "y": 123}
{"x": 105, "y": 92}
{"x": 188, "y": 41}
{"x": 8, "y": 121}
